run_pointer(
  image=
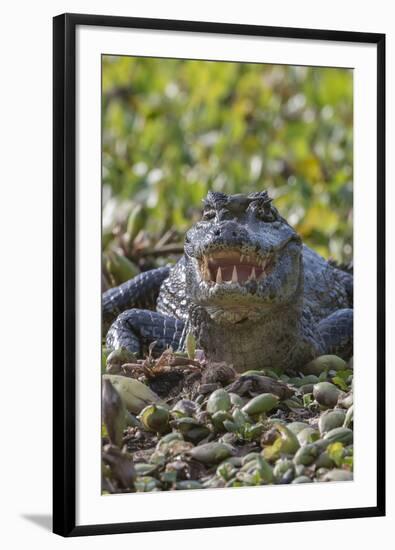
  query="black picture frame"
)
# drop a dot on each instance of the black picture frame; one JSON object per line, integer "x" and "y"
{"x": 64, "y": 272}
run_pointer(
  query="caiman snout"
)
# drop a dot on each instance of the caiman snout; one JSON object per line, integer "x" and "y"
{"x": 230, "y": 233}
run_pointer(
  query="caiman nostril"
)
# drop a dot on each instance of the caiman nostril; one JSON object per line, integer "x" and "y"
{"x": 234, "y": 234}
{"x": 217, "y": 232}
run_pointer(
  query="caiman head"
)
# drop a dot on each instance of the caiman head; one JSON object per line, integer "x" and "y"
{"x": 243, "y": 260}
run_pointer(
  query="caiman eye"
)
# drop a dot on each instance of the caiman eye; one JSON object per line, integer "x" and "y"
{"x": 208, "y": 215}
{"x": 265, "y": 213}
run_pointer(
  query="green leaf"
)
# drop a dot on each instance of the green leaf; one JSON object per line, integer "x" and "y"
{"x": 307, "y": 399}
{"x": 336, "y": 452}
{"x": 340, "y": 383}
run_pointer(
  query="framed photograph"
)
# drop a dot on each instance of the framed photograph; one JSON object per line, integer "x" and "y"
{"x": 218, "y": 274}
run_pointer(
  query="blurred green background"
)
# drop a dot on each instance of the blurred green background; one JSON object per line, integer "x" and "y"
{"x": 174, "y": 129}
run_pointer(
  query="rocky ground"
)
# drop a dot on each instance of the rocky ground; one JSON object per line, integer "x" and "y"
{"x": 178, "y": 422}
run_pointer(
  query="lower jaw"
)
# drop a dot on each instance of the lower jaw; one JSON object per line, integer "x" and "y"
{"x": 236, "y": 314}
{"x": 227, "y": 292}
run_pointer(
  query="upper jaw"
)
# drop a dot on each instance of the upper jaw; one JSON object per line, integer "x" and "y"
{"x": 226, "y": 266}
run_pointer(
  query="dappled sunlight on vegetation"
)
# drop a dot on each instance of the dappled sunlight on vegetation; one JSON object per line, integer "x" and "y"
{"x": 174, "y": 129}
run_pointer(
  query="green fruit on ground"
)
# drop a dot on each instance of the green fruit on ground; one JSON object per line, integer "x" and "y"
{"x": 341, "y": 435}
{"x": 211, "y": 453}
{"x": 155, "y": 418}
{"x": 326, "y": 394}
{"x": 331, "y": 419}
{"x": 134, "y": 394}
{"x": 219, "y": 400}
{"x": 323, "y": 363}
{"x": 261, "y": 404}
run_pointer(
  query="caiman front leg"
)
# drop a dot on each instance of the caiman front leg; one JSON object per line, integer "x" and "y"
{"x": 336, "y": 333}
{"x": 136, "y": 329}
{"x": 140, "y": 292}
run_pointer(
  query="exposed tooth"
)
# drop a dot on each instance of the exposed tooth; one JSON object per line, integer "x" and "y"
{"x": 219, "y": 276}
{"x": 253, "y": 274}
{"x": 206, "y": 274}
{"x": 241, "y": 258}
{"x": 235, "y": 278}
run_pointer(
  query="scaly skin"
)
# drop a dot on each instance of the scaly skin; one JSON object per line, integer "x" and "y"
{"x": 247, "y": 288}
{"x": 140, "y": 292}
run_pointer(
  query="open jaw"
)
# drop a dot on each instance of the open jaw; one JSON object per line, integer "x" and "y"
{"x": 233, "y": 266}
